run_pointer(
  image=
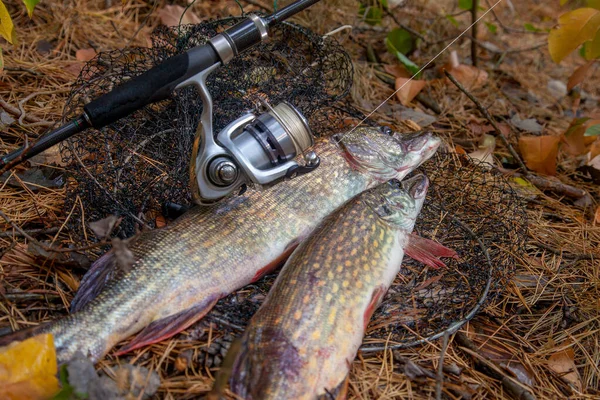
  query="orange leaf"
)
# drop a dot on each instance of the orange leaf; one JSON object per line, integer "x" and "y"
{"x": 85, "y": 54}
{"x": 563, "y": 363}
{"x": 28, "y": 369}
{"x": 408, "y": 89}
{"x": 539, "y": 152}
{"x": 597, "y": 216}
{"x": 595, "y": 149}
{"x": 172, "y": 15}
{"x": 574, "y": 139}
{"x": 469, "y": 76}
{"x": 579, "y": 75}
{"x": 396, "y": 70}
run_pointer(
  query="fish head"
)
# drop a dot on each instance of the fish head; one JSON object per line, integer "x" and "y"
{"x": 399, "y": 203}
{"x": 385, "y": 154}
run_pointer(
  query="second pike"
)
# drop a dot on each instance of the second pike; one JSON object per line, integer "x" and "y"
{"x": 180, "y": 271}
{"x": 301, "y": 343}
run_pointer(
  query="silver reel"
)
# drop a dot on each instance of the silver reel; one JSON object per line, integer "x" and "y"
{"x": 253, "y": 149}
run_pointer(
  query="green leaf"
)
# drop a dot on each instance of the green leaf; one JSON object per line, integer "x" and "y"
{"x": 452, "y": 20}
{"x": 491, "y": 27}
{"x": 30, "y": 5}
{"x": 7, "y": 28}
{"x": 465, "y": 4}
{"x": 593, "y": 130}
{"x": 529, "y": 27}
{"x": 400, "y": 40}
{"x": 372, "y": 15}
{"x": 410, "y": 66}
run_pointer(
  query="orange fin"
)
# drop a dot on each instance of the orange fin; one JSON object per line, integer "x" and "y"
{"x": 166, "y": 327}
{"x": 275, "y": 263}
{"x": 427, "y": 251}
{"x": 376, "y": 297}
{"x": 94, "y": 281}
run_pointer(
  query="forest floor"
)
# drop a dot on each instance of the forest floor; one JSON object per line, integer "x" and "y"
{"x": 539, "y": 338}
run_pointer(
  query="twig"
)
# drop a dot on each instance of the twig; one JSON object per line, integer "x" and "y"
{"x": 23, "y": 113}
{"x": 474, "y": 7}
{"x": 29, "y": 118}
{"x": 487, "y": 115}
{"x": 510, "y": 28}
{"x": 21, "y": 69}
{"x": 439, "y": 380}
{"x": 43, "y": 245}
{"x": 30, "y": 232}
{"x": 576, "y": 256}
{"x": 492, "y": 369}
{"x": 405, "y": 27}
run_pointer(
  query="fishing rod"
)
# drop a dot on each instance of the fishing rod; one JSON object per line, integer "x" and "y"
{"x": 254, "y": 148}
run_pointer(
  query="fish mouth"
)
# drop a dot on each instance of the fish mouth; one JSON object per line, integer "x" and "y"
{"x": 416, "y": 186}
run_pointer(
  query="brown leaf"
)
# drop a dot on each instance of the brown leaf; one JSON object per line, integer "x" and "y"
{"x": 563, "y": 363}
{"x": 594, "y": 149}
{"x": 597, "y": 216}
{"x": 124, "y": 256}
{"x": 85, "y": 54}
{"x": 408, "y": 89}
{"x": 171, "y": 16}
{"x": 539, "y": 152}
{"x": 396, "y": 70}
{"x": 74, "y": 68}
{"x": 579, "y": 75}
{"x": 574, "y": 139}
{"x": 469, "y": 76}
{"x": 103, "y": 227}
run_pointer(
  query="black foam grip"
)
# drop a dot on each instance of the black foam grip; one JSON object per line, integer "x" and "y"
{"x": 153, "y": 85}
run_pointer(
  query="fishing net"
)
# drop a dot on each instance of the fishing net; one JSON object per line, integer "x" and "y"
{"x": 470, "y": 209}
{"x": 135, "y": 166}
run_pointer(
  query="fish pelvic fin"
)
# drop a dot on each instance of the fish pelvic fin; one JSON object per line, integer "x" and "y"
{"x": 338, "y": 393}
{"x": 94, "y": 281}
{"x": 428, "y": 251}
{"x": 167, "y": 327}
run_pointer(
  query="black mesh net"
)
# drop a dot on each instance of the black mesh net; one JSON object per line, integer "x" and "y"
{"x": 133, "y": 167}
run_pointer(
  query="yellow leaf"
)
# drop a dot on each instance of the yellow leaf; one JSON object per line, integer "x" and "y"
{"x": 576, "y": 27}
{"x": 539, "y": 153}
{"x": 592, "y": 48}
{"x": 7, "y": 29}
{"x": 408, "y": 89}
{"x": 28, "y": 369}
{"x": 1, "y": 61}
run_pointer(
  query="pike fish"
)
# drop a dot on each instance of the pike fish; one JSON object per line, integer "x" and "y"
{"x": 301, "y": 342}
{"x": 180, "y": 271}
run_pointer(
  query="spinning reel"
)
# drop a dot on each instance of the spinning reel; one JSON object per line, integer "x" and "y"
{"x": 253, "y": 149}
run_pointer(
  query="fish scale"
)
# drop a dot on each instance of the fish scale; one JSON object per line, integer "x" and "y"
{"x": 181, "y": 270}
{"x": 301, "y": 342}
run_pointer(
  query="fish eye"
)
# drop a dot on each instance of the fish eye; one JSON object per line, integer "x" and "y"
{"x": 387, "y": 131}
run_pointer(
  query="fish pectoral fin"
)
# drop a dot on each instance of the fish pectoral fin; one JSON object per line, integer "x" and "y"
{"x": 93, "y": 282}
{"x": 338, "y": 393}
{"x": 167, "y": 327}
{"x": 427, "y": 251}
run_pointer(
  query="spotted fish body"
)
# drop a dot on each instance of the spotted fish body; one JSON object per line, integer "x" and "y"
{"x": 181, "y": 270}
{"x": 301, "y": 342}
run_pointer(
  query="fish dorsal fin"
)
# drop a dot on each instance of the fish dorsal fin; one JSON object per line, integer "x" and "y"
{"x": 167, "y": 327}
{"x": 94, "y": 281}
{"x": 428, "y": 251}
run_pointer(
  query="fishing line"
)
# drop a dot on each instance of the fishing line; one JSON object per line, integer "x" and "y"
{"x": 419, "y": 71}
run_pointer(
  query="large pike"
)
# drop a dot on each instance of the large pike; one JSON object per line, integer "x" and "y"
{"x": 181, "y": 270}
{"x": 301, "y": 342}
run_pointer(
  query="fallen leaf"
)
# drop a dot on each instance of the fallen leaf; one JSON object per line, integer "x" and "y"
{"x": 479, "y": 129}
{"x": 103, "y": 227}
{"x": 74, "y": 68}
{"x": 528, "y": 125}
{"x": 30, "y": 5}
{"x": 171, "y": 15}
{"x": 574, "y": 139}
{"x": 594, "y": 149}
{"x": 485, "y": 151}
{"x": 563, "y": 363}
{"x": 408, "y": 89}
{"x": 28, "y": 369}
{"x": 575, "y": 28}
{"x": 597, "y": 216}
{"x": 124, "y": 256}
{"x": 7, "y": 28}
{"x": 579, "y": 75}
{"x": 469, "y": 76}
{"x": 396, "y": 70}
{"x": 417, "y": 117}
{"x": 85, "y": 54}
{"x": 539, "y": 152}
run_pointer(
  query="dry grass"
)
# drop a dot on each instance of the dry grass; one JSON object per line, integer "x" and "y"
{"x": 552, "y": 304}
